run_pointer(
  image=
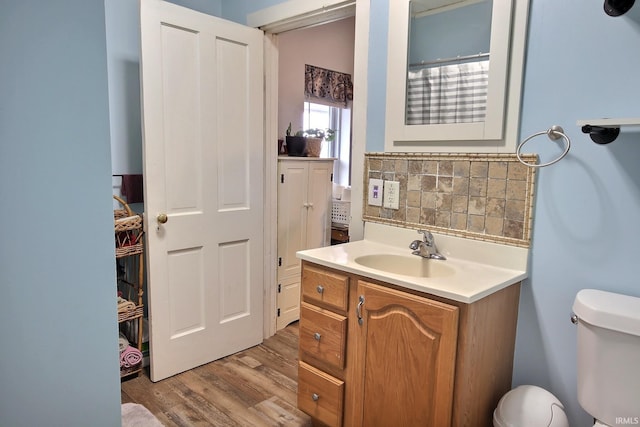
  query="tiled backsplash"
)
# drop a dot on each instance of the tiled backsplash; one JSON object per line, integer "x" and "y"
{"x": 479, "y": 196}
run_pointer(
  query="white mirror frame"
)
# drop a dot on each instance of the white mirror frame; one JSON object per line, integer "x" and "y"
{"x": 499, "y": 131}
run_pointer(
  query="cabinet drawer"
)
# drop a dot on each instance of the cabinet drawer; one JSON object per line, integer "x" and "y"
{"x": 320, "y": 395}
{"x": 325, "y": 288}
{"x": 323, "y": 335}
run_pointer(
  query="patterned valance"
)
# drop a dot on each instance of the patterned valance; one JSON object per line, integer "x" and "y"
{"x": 330, "y": 86}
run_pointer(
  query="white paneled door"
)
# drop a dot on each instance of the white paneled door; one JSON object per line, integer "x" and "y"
{"x": 202, "y": 99}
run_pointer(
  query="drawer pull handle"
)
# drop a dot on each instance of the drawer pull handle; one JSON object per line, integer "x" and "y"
{"x": 315, "y": 397}
{"x": 359, "y": 309}
{"x": 317, "y": 336}
{"x": 320, "y": 289}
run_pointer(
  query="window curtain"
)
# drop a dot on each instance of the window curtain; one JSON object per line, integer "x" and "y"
{"x": 448, "y": 94}
{"x": 329, "y": 86}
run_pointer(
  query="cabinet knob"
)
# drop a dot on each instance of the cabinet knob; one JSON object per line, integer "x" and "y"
{"x": 317, "y": 336}
{"x": 320, "y": 289}
{"x": 315, "y": 397}
{"x": 162, "y": 218}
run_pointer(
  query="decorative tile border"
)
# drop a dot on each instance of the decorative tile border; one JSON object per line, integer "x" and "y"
{"x": 479, "y": 196}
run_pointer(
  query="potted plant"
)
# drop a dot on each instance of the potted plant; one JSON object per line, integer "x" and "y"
{"x": 296, "y": 144}
{"x": 314, "y": 139}
{"x": 307, "y": 142}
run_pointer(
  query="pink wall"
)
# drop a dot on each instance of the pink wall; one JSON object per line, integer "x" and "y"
{"x": 328, "y": 46}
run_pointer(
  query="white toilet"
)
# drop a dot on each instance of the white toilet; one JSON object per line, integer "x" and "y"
{"x": 608, "y": 356}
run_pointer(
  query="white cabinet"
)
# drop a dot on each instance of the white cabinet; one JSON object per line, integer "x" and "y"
{"x": 304, "y": 222}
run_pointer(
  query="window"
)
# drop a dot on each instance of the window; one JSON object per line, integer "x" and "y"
{"x": 319, "y": 116}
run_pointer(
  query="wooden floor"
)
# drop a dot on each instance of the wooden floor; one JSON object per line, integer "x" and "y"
{"x": 256, "y": 387}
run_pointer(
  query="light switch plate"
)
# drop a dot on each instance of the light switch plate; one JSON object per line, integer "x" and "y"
{"x": 375, "y": 192}
{"x": 391, "y": 199}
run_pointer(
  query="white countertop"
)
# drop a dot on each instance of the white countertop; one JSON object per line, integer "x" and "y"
{"x": 480, "y": 268}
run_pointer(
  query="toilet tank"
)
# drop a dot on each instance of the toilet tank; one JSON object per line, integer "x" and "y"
{"x": 608, "y": 348}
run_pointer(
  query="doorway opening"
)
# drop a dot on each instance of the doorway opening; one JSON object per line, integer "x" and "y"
{"x": 326, "y": 45}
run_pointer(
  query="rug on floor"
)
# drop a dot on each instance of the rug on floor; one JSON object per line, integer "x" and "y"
{"x": 136, "y": 415}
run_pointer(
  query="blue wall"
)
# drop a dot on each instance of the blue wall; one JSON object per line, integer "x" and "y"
{"x": 237, "y": 11}
{"x": 377, "y": 74}
{"x": 58, "y": 329}
{"x": 123, "y": 58}
{"x": 585, "y": 229}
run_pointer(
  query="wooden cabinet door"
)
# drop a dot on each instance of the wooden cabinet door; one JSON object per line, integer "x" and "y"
{"x": 404, "y": 372}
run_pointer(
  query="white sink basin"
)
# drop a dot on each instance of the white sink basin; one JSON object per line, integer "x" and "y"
{"x": 412, "y": 265}
{"x": 473, "y": 268}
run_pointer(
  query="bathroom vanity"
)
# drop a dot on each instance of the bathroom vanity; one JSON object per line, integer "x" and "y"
{"x": 379, "y": 348}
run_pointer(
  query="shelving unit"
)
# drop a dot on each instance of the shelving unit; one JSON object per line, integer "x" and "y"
{"x": 128, "y": 229}
{"x": 604, "y": 131}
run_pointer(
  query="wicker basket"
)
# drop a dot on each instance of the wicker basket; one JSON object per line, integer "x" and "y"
{"x": 130, "y": 370}
{"x": 128, "y": 231}
{"x": 314, "y": 147}
{"x": 131, "y": 314}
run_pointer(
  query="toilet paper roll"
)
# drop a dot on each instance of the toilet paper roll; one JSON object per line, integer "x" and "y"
{"x": 337, "y": 191}
{"x": 346, "y": 194}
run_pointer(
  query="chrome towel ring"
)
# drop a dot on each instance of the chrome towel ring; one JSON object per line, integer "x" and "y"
{"x": 554, "y": 133}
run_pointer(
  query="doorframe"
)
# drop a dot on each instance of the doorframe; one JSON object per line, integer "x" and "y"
{"x": 294, "y": 14}
{"x": 270, "y": 183}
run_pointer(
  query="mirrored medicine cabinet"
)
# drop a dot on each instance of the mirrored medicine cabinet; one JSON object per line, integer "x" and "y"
{"x": 454, "y": 74}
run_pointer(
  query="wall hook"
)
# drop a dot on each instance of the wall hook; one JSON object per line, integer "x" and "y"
{"x": 617, "y": 7}
{"x": 601, "y": 135}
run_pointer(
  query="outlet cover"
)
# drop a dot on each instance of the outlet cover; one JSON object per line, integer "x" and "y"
{"x": 391, "y": 193}
{"x": 375, "y": 192}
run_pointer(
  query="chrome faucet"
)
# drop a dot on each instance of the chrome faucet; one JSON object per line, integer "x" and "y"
{"x": 426, "y": 248}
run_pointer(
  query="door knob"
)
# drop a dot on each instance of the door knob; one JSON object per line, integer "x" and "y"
{"x": 162, "y": 218}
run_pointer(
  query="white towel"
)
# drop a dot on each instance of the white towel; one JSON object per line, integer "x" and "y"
{"x": 125, "y": 305}
{"x": 123, "y": 342}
